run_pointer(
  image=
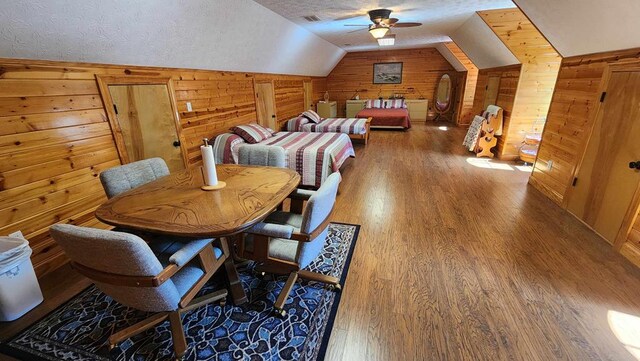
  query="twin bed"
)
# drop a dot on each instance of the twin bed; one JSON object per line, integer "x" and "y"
{"x": 314, "y": 147}
{"x": 313, "y": 155}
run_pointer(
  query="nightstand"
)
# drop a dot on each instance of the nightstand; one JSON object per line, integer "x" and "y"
{"x": 417, "y": 109}
{"x": 354, "y": 106}
{"x": 328, "y": 109}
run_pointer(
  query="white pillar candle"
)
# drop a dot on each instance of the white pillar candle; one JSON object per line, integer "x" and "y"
{"x": 208, "y": 165}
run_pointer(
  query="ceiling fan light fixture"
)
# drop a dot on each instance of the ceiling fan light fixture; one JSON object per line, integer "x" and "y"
{"x": 378, "y": 31}
{"x": 388, "y": 40}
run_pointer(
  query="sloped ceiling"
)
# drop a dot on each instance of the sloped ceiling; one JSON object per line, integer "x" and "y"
{"x": 447, "y": 54}
{"x": 238, "y": 35}
{"x": 482, "y": 45}
{"x": 578, "y": 27}
{"x": 439, "y": 19}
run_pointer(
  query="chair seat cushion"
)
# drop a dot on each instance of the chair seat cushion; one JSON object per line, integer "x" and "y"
{"x": 186, "y": 278}
{"x": 188, "y": 275}
{"x": 279, "y": 217}
{"x": 280, "y": 248}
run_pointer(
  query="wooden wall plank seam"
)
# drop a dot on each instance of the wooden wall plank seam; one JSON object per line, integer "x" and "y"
{"x": 55, "y": 138}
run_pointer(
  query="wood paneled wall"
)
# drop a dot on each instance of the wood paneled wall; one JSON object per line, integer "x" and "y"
{"x": 509, "y": 77}
{"x": 422, "y": 69}
{"x": 540, "y": 66}
{"x": 465, "y": 112}
{"x": 55, "y": 138}
{"x": 570, "y": 120}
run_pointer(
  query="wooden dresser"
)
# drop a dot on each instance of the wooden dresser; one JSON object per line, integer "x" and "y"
{"x": 328, "y": 109}
{"x": 417, "y": 109}
{"x": 354, "y": 106}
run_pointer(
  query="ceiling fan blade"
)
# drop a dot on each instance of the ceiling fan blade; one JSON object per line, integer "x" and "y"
{"x": 356, "y": 25}
{"x": 406, "y": 25}
{"x": 355, "y": 31}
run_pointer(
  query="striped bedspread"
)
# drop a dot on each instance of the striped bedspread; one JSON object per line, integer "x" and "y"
{"x": 313, "y": 155}
{"x": 329, "y": 125}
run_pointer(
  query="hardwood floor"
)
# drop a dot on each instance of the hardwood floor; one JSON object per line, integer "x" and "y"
{"x": 460, "y": 262}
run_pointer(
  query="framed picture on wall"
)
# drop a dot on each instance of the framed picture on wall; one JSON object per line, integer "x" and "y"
{"x": 387, "y": 73}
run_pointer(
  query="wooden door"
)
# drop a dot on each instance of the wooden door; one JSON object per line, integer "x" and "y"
{"x": 491, "y": 95}
{"x": 147, "y": 123}
{"x": 308, "y": 94}
{"x": 266, "y": 105}
{"x": 605, "y": 186}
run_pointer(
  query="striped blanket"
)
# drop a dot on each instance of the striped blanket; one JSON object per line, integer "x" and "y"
{"x": 313, "y": 155}
{"x": 329, "y": 125}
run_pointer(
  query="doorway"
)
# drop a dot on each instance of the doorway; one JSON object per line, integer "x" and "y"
{"x": 605, "y": 187}
{"x": 144, "y": 120}
{"x": 266, "y": 105}
{"x": 308, "y": 94}
{"x": 491, "y": 95}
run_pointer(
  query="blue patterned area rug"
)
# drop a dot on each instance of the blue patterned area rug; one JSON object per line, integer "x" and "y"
{"x": 79, "y": 329}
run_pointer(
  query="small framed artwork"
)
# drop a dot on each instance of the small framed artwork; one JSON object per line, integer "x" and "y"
{"x": 387, "y": 73}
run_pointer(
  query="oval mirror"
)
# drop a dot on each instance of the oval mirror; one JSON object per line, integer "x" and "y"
{"x": 443, "y": 94}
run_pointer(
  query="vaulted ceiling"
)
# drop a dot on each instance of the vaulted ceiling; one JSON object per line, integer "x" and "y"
{"x": 440, "y": 18}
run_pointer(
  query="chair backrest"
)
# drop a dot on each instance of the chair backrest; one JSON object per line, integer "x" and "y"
{"x": 120, "y": 179}
{"x": 120, "y": 254}
{"x": 318, "y": 208}
{"x": 272, "y": 156}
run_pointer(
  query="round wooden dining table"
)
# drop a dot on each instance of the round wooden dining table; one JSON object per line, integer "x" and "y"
{"x": 176, "y": 205}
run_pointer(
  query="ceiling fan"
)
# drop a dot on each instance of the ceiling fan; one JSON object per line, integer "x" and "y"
{"x": 382, "y": 23}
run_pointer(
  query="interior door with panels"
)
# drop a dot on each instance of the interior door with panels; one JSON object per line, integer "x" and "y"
{"x": 144, "y": 120}
{"x": 266, "y": 105}
{"x": 605, "y": 189}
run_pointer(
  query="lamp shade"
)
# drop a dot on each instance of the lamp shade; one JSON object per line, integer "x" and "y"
{"x": 378, "y": 31}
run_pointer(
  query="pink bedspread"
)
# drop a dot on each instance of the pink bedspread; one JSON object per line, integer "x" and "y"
{"x": 388, "y": 117}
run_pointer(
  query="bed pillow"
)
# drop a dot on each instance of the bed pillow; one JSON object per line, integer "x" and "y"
{"x": 225, "y": 148}
{"x": 373, "y": 103}
{"x": 312, "y": 116}
{"x": 394, "y": 104}
{"x": 253, "y": 133}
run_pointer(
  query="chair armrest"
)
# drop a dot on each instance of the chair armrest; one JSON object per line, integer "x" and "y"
{"x": 301, "y": 194}
{"x": 272, "y": 230}
{"x": 188, "y": 251}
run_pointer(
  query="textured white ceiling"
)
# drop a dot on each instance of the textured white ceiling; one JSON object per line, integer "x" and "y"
{"x": 482, "y": 45}
{"x": 235, "y": 35}
{"x": 440, "y": 18}
{"x": 578, "y": 27}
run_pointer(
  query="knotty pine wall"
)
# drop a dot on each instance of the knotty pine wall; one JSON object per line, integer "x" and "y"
{"x": 570, "y": 120}
{"x": 509, "y": 77}
{"x": 55, "y": 138}
{"x": 465, "y": 111}
{"x": 540, "y": 65}
{"x": 422, "y": 69}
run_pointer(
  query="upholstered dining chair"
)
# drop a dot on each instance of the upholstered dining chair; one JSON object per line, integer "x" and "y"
{"x": 123, "y": 266}
{"x": 287, "y": 242}
{"x": 262, "y": 155}
{"x": 120, "y": 179}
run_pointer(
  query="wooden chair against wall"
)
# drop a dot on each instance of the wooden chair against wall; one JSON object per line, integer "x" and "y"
{"x": 491, "y": 127}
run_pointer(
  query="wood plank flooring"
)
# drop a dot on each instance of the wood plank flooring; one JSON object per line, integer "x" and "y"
{"x": 459, "y": 262}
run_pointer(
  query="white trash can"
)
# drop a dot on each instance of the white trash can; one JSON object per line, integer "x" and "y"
{"x": 19, "y": 288}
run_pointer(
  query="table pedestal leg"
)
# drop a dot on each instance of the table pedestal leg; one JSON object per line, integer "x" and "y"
{"x": 235, "y": 286}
